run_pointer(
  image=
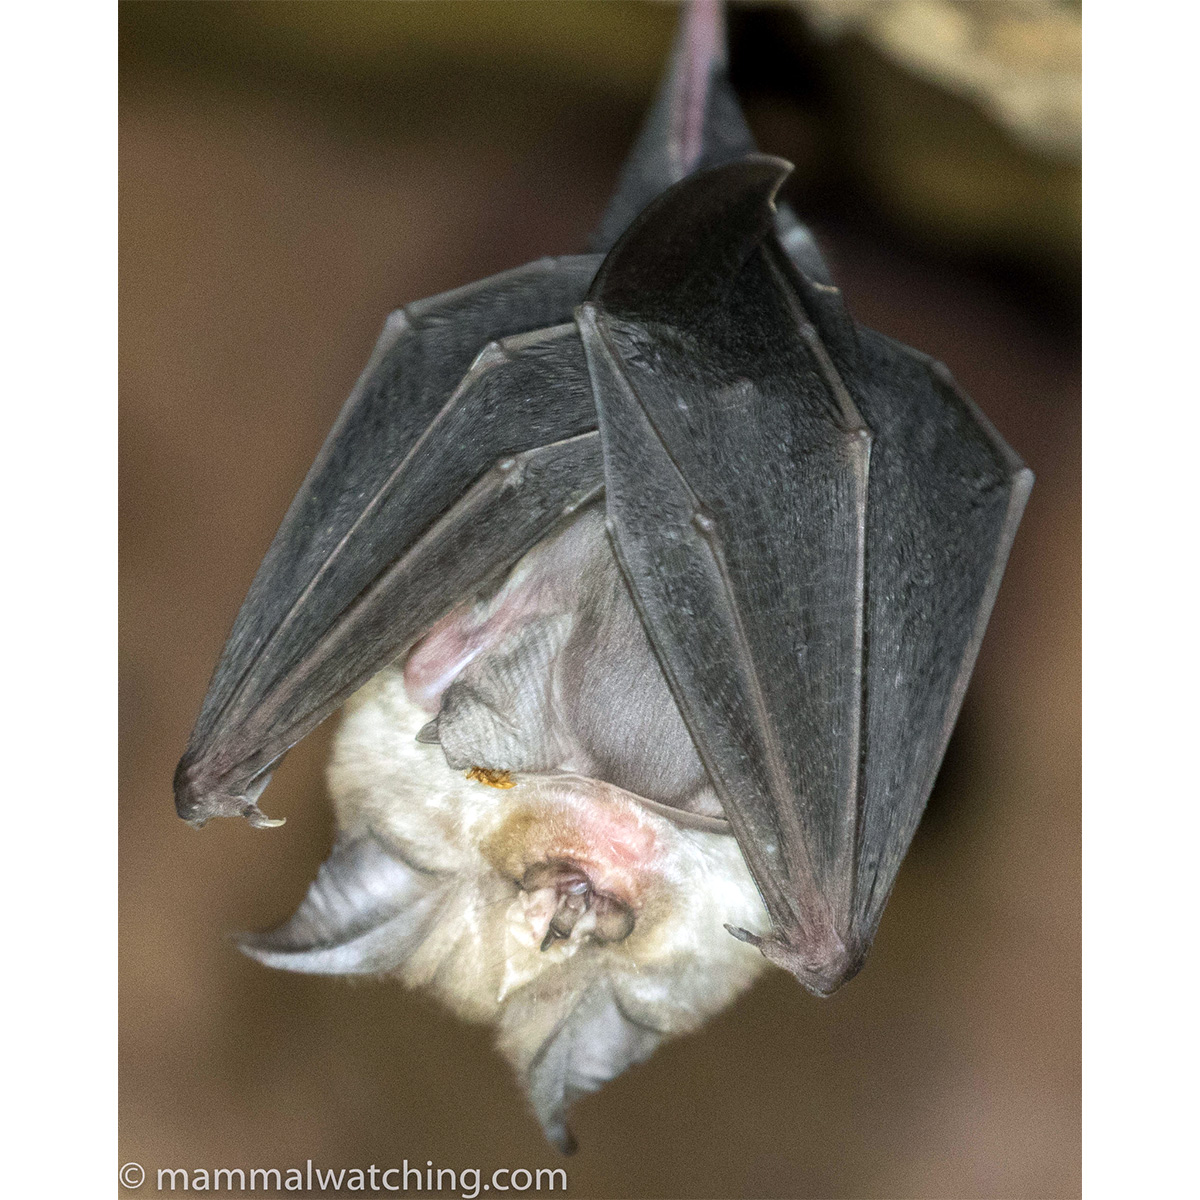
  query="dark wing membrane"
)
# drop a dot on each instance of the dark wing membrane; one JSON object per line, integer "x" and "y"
{"x": 385, "y": 528}
{"x": 512, "y": 508}
{"x": 945, "y": 500}
{"x": 341, "y": 513}
{"x": 945, "y": 497}
{"x": 736, "y": 468}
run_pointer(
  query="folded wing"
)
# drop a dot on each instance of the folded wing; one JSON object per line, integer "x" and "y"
{"x": 813, "y": 521}
{"x": 454, "y": 454}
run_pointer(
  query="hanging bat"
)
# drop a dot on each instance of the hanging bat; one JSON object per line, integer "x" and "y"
{"x": 650, "y": 584}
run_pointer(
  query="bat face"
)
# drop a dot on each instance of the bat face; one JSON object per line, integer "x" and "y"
{"x": 650, "y": 583}
{"x": 532, "y": 891}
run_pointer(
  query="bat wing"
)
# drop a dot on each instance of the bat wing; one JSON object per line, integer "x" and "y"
{"x": 736, "y": 472}
{"x": 812, "y": 523}
{"x": 454, "y": 455}
{"x": 407, "y": 508}
{"x": 945, "y": 498}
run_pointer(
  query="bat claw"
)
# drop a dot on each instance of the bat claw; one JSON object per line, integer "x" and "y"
{"x": 260, "y": 820}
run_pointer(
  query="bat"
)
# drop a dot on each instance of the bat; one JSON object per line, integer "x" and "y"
{"x": 649, "y": 584}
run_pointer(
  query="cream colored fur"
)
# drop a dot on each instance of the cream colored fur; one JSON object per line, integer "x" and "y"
{"x": 480, "y": 953}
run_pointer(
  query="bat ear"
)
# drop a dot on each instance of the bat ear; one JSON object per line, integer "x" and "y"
{"x": 581, "y": 1051}
{"x": 696, "y": 121}
{"x": 366, "y": 912}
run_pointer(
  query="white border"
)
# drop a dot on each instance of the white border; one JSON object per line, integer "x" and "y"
{"x": 58, "y": 285}
{"x": 1141, "y": 548}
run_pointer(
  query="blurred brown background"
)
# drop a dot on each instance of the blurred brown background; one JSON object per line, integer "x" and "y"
{"x": 292, "y": 172}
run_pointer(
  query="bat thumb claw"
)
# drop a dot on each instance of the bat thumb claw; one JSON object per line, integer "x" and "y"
{"x": 201, "y": 793}
{"x": 260, "y": 820}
